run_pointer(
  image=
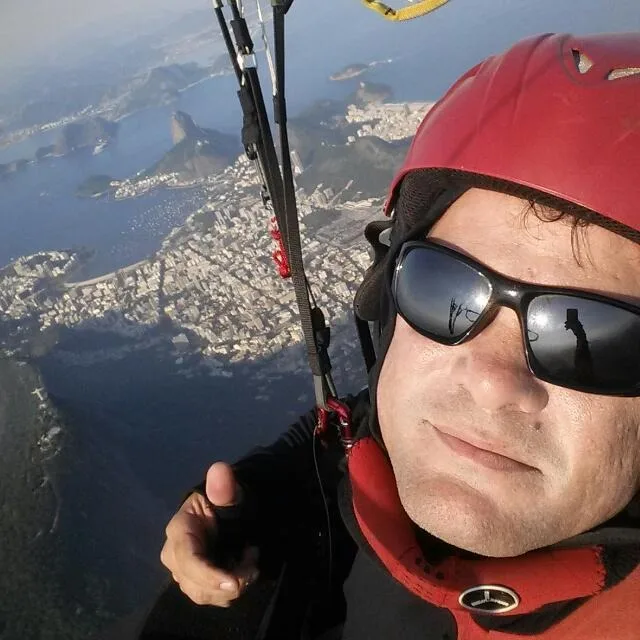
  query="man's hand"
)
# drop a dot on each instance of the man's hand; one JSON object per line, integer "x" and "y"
{"x": 185, "y": 550}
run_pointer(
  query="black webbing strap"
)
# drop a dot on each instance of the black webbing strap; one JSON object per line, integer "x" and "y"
{"x": 278, "y": 184}
{"x": 366, "y": 342}
{"x": 317, "y": 356}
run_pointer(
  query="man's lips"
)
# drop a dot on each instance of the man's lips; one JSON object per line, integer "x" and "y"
{"x": 489, "y": 455}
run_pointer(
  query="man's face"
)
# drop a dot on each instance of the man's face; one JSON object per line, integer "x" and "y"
{"x": 486, "y": 456}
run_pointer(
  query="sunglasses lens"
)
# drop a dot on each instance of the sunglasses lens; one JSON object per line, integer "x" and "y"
{"x": 438, "y": 294}
{"x": 582, "y": 342}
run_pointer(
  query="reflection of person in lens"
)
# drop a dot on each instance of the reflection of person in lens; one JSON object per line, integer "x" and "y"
{"x": 582, "y": 359}
{"x": 454, "y": 311}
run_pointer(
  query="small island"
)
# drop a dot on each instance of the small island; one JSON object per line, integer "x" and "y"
{"x": 350, "y": 71}
{"x": 97, "y": 186}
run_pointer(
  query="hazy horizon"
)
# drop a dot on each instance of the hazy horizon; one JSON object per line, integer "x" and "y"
{"x": 37, "y": 34}
{"x": 41, "y": 31}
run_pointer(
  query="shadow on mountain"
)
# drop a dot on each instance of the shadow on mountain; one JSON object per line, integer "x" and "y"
{"x": 92, "y": 473}
{"x": 370, "y": 93}
{"x": 362, "y": 169}
{"x": 322, "y": 123}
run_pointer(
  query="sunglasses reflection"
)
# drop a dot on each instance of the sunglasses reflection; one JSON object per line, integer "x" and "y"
{"x": 583, "y": 364}
{"x": 455, "y": 310}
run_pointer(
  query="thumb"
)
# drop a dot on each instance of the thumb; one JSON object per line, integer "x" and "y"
{"x": 221, "y": 487}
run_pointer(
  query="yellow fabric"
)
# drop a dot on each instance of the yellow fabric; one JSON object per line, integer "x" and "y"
{"x": 415, "y": 10}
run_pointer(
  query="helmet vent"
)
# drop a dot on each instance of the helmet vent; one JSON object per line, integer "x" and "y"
{"x": 583, "y": 62}
{"x": 623, "y": 73}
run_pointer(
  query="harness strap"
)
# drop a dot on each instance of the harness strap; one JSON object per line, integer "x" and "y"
{"x": 316, "y": 353}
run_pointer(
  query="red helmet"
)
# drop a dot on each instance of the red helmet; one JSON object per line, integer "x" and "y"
{"x": 556, "y": 113}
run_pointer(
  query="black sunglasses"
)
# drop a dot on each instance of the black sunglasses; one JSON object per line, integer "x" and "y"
{"x": 572, "y": 338}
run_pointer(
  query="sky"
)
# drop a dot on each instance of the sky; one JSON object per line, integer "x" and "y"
{"x": 31, "y": 28}
{"x": 47, "y": 30}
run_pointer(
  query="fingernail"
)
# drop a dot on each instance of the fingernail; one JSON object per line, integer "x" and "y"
{"x": 228, "y": 586}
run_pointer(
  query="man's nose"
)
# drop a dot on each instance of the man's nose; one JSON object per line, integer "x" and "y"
{"x": 493, "y": 369}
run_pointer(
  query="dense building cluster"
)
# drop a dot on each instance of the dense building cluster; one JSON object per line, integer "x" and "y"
{"x": 388, "y": 121}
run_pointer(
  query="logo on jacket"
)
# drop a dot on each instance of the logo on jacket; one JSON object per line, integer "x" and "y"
{"x": 489, "y": 598}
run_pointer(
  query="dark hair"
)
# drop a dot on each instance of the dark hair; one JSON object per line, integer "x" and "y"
{"x": 549, "y": 209}
{"x": 420, "y": 187}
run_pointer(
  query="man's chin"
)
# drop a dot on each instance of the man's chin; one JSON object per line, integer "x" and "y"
{"x": 471, "y": 520}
